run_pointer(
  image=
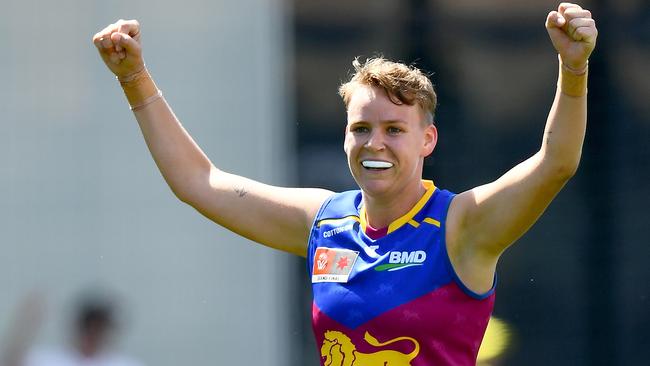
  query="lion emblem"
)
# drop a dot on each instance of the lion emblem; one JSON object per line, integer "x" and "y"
{"x": 338, "y": 350}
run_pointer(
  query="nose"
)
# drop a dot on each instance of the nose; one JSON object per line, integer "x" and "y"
{"x": 375, "y": 140}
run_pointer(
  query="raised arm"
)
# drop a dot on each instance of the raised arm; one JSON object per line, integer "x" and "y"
{"x": 484, "y": 221}
{"x": 277, "y": 217}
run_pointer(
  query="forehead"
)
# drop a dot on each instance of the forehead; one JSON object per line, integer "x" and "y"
{"x": 371, "y": 104}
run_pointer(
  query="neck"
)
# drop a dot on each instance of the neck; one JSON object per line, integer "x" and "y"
{"x": 381, "y": 211}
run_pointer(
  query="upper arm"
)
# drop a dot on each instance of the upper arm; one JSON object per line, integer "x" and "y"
{"x": 485, "y": 220}
{"x": 277, "y": 217}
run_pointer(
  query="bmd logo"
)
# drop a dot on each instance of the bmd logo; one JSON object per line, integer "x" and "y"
{"x": 401, "y": 260}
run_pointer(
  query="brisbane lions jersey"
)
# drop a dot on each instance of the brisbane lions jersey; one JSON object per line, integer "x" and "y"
{"x": 392, "y": 301}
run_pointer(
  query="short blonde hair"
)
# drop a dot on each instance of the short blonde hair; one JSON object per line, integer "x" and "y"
{"x": 404, "y": 84}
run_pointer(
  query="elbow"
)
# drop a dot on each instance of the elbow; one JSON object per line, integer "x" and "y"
{"x": 193, "y": 189}
{"x": 566, "y": 171}
{"x": 183, "y": 195}
{"x": 188, "y": 192}
{"x": 560, "y": 167}
{"x": 188, "y": 189}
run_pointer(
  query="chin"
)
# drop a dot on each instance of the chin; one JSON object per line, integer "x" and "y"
{"x": 376, "y": 187}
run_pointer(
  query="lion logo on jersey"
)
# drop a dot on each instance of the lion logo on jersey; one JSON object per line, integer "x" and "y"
{"x": 338, "y": 350}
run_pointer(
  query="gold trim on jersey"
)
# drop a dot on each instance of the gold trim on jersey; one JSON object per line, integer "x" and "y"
{"x": 431, "y": 221}
{"x": 332, "y": 221}
{"x": 408, "y": 217}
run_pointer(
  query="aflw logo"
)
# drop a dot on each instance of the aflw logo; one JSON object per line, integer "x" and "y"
{"x": 401, "y": 260}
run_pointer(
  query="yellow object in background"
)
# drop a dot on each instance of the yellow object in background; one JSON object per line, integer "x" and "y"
{"x": 495, "y": 342}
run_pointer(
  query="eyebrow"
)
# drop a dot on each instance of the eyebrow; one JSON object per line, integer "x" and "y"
{"x": 384, "y": 122}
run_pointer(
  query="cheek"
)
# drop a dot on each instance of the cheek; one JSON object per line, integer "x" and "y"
{"x": 411, "y": 154}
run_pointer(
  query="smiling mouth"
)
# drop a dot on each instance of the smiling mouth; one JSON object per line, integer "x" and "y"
{"x": 376, "y": 164}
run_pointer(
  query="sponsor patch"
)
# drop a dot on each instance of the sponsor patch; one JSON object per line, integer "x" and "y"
{"x": 401, "y": 260}
{"x": 333, "y": 264}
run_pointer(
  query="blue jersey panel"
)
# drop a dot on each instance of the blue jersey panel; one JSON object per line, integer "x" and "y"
{"x": 407, "y": 263}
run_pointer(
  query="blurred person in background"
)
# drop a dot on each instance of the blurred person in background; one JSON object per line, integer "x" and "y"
{"x": 93, "y": 328}
{"x": 403, "y": 272}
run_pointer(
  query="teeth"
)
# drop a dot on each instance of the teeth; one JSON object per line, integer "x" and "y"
{"x": 376, "y": 164}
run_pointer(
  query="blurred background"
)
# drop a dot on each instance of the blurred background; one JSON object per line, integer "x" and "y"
{"x": 255, "y": 82}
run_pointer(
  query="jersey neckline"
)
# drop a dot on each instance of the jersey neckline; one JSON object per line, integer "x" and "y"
{"x": 401, "y": 221}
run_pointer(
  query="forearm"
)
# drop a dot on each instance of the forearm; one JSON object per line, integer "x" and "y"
{"x": 565, "y": 127}
{"x": 180, "y": 160}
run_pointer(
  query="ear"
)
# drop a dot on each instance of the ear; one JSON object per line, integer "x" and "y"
{"x": 430, "y": 140}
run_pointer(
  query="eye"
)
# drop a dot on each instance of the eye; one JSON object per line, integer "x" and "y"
{"x": 394, "y": 130}
{"x": 359, "y": 129}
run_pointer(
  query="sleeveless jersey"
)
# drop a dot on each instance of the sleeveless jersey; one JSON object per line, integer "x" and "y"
{"x": 395, "y": 300}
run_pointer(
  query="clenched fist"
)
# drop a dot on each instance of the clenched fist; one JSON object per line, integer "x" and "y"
{"x": 573, "y": 33}
{"x": 119, "y": 46}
